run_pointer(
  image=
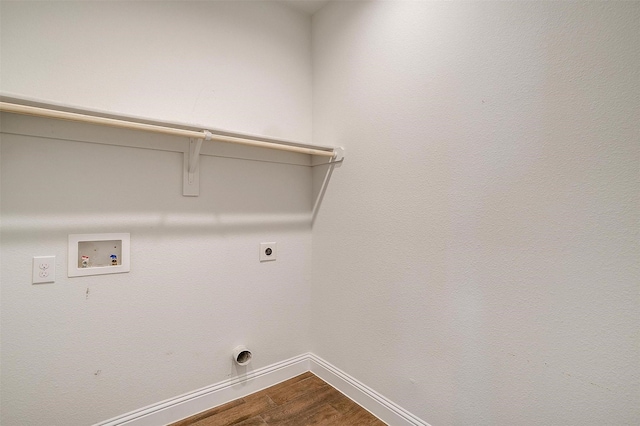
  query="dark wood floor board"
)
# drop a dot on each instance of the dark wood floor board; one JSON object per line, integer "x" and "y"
{"x": 294, "y": 408}
{"x": 353, "y": 414}
{"x": 295, "y": 390}
{"x": 359, "y": 416}
{"x": 342, "y": 403}
{"x": 305, "y": 400}
{"x": 252, "y": 407}
{"x": 253, "y": 421}
{"x": 321, "y": 415}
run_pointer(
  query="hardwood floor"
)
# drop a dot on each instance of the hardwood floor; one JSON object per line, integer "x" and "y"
{"x": 301, "y": 401}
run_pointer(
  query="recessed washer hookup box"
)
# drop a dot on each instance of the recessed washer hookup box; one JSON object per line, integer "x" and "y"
{"x": 97, "y": 254}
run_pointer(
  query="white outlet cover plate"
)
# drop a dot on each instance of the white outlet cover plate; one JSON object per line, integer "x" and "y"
{"x": 44, "y": 269}
{"x": 264, "y": 257}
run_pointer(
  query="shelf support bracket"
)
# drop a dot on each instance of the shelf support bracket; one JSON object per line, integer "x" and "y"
{"x": 191, "y": 171}
{"x": 338, "y": 154}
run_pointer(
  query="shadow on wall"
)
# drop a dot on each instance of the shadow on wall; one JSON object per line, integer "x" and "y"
{"x": 57, "y": 184}
{"x": 167, "y": 222}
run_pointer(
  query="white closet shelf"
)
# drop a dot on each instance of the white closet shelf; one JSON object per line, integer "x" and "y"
{"x": 190, "y": 186}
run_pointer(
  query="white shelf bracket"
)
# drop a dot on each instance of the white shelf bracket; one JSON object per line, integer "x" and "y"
{"x": 191, "y": 174}
{"x": 338, "y": 154}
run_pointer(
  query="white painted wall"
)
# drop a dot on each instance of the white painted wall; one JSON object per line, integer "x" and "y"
{"x": 482, "y": 234}
{"x": 241, "y": 66}
{"x": 475, "y": 258}
{"x": 83, "y": 350}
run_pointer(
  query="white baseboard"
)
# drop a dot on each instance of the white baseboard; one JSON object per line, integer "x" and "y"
{"x": 195, "y": 402}
{"x": 189, "y": 404}
{"x": 363, "y": 395}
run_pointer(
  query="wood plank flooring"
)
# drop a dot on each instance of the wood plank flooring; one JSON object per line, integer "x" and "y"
{"x": 301, "y": 401}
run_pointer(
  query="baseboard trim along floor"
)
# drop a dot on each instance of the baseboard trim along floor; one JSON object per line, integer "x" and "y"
{"x": 189, "y": 404}
{"x": 363, "y": 395}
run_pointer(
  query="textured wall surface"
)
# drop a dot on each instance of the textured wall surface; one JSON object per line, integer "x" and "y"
{"x": 475, "y": 259}
{"x": 241, "y": 66}
{"x": 83, "y": 350}
{"x": 482, "y": 234}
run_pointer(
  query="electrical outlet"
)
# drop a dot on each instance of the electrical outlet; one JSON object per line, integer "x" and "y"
{"x": 44, "y": 269}
{"x": 268, "y": 251}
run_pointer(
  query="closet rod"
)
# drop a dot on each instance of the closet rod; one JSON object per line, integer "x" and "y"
{"x": 205, "y": 134}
